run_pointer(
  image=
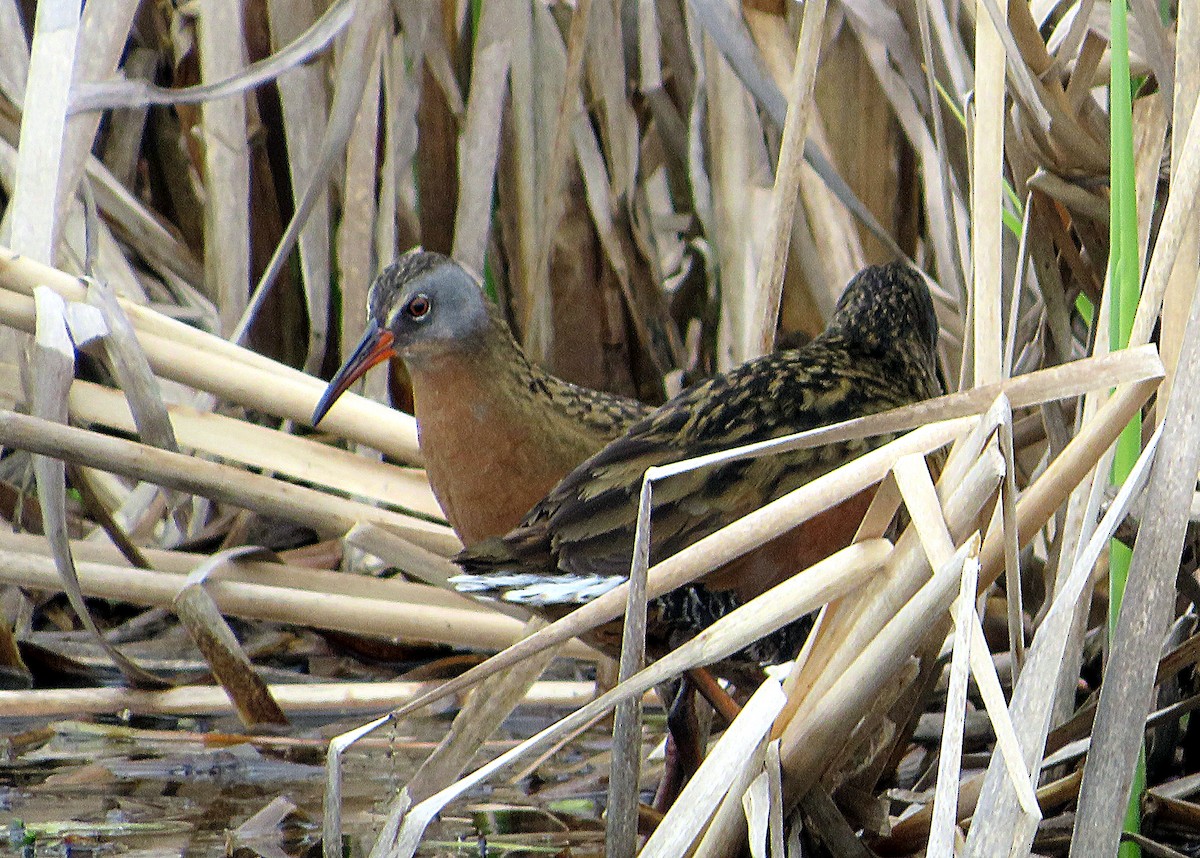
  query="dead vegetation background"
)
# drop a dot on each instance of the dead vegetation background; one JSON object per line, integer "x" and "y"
{"x": 654, "y": 191}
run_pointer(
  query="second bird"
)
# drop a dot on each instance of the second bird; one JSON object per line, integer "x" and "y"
{"x": 878, "y": 352}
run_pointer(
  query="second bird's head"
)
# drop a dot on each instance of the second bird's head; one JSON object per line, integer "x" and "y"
{"x": 421, "y": 306}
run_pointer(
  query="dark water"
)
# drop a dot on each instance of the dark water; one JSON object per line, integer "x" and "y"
{"x": 186, "y": 787}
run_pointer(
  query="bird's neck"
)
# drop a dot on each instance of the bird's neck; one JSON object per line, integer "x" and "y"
{"x": 483, "y": 433}
{"x": 895, "y": 354}
{"x": 490, "y": 369}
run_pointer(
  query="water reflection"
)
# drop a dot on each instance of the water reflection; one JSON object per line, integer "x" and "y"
{"x": 187, "y": 787}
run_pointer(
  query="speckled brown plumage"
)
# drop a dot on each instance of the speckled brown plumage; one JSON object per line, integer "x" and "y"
{"x": 878, "y": 352}
{"x": 496, "y": 431}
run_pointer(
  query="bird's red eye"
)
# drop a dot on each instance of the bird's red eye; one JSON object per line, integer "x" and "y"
{"x": 418, "y": 307}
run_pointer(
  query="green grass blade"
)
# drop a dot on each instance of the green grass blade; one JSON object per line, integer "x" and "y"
{"x": 1123, "y": 278}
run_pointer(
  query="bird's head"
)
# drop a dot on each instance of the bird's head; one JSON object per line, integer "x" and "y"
{"x": 886, "y": 303}
{"x": 421, "y": 307}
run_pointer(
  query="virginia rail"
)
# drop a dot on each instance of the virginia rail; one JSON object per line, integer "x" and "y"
{"x": 496, "y": 431}
{"x": 877, "y": 353}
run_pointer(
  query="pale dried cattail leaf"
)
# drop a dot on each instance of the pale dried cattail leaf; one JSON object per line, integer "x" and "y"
{"x": 302, "y": 97}
{"x": 1031, "y": 707}
{"x": 14, "y": 53}
{"x": 272, "y": 592}
{"x": 98, "y": 95}
{"x": 226, "y": 165}
{"x": 764, "y": 309}
{"x": 34, "y": 213}
{"x": 326, "y": 514}
{"x": 1183, "y": 272}
{"x": 485, "y": 710}
{"x": 987, "y": 160}
{"x": 478, "y": 151}
{"x": 740, "y": 749}
{"x": 217, "y": 643}
{"x": 356, "y": 265}
{"x": 352, "y": 74}
{"x": 102, "y": 36}
{"x": 50, "y": 372}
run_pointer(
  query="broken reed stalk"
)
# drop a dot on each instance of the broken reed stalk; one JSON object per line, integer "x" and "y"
{"x": 849, "y": 625}
{"x": 737, "y": 749}
{"x": 340, "y": 698}
{"x": 1048, "y": 492}
{"x": 250, "y": 571}
{"x": 256, "y": 446}
{"x": 1036, "y": 505}
{"x": 841, "y": 628}
{"x": 1031, "y": 707}
{"x": 876, "y": 612}
{"x": 463, "y": 625}
{"x": 329, "y": 516}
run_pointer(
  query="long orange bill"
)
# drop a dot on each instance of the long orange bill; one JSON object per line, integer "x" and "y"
{"x": 374, "y": 347}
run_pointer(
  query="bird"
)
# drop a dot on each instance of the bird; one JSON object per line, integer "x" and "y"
{"x": 495, "y": 430}
{"x": 878, "y": 352}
